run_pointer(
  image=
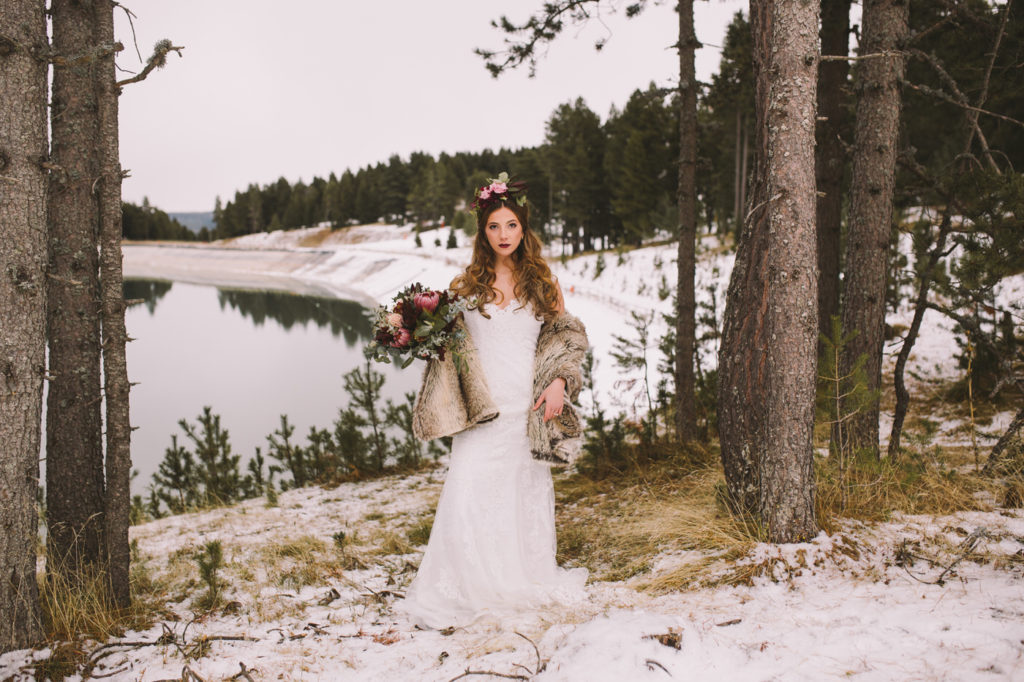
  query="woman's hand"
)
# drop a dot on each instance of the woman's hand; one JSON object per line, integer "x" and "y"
{"x": 553, "y": 398}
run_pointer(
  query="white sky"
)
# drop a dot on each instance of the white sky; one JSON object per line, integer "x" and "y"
{"x": 266, "y": 89}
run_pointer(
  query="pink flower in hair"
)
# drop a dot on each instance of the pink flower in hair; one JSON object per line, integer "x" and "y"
{"x": 485, "y": 193}
{"x": 499, "y": 187}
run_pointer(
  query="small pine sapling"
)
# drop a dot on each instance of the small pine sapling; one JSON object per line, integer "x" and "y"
{"x": 630, "y": 354}
{"x": 842, "y": 397}
{"x": 210, "y": 560}
{"x": 363, "y": 386}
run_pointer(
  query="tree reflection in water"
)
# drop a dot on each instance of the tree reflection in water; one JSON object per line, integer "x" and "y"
{"x": 145, "y": 291}
{"x": 345, "y": 318}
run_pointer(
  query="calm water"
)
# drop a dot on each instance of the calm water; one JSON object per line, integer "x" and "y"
{"x": 250, "y": 355}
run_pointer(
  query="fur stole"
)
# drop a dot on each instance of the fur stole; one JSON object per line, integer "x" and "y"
{"x": 455, "y": 397}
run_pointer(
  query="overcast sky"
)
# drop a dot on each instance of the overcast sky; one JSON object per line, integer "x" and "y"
{"x": 266, "y": 88}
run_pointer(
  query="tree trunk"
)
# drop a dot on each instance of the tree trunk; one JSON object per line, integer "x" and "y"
{"x": 737, "y": 203}
{"x": 871, "y": 197}
{"x": 23, "y": 129}
{"x": 926, "y": 274}
{"x": 115, "y": 372}
{"x": 686, "y": 197}
{"x": 829, "y": 156}
{"x": 74, "y": 453}
{"x": 1006, "y": 454}
{"x": 744, "y": 175}
{"x": 767, "y": 361}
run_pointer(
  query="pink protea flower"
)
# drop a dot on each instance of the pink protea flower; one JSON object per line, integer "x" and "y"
{"x": 427, "y": 300}
{"x": 395, "y": 320}
{"x": 498, "y": 187}
{"x": 485, "y": 193}
{"x": 402, "y": 338}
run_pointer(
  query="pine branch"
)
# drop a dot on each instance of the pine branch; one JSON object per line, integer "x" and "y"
{"x": 156, "y": 61}
{"x": 860, "y": 58}
{"x": 971, "y": 325}
{"x": 540, "y": 30}
{"x": 960, "y": 100}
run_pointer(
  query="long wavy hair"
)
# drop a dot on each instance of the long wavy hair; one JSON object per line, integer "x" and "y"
{"x": 533, "y": 280}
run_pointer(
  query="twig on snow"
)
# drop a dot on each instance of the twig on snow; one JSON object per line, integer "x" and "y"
{"x": 243, "y": 673}
{"x": 535, "y": 650}
{"x": 652, "y": 664}
{"x": 492, "y": 673}
{"x": 965, "y": 547}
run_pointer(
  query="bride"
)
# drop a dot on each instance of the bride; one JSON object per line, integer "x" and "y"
{"x": 492, "y": 545}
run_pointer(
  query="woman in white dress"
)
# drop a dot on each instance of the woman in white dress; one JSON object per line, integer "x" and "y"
{"x": 492, "y": 545}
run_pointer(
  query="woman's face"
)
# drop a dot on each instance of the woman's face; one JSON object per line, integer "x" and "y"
{"x": 504, "y": 233}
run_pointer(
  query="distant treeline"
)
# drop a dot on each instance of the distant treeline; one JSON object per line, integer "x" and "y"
{"x": 613, "y": 181}
{"x": 148, "y": 222}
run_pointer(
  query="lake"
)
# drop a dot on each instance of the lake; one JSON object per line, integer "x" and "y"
{"x": 250, "y": 355}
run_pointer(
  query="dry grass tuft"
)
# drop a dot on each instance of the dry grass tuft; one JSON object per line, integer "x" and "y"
{"x": 80, "y": 605}
{"x": 315, "y": 238}
{"x": 617, "y": 528}
{"x": 419, "y": 532}
{"x": 927, "y": 479}
{"x": 301, "y": 561}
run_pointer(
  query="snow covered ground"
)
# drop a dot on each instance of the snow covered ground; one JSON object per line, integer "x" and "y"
{"x": 304, "y": 602}
{"x": 839, "y": 607}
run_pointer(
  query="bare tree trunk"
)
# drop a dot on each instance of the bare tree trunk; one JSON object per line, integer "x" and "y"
{"x": 74, "y": 452}
{"x": 926, "y": 275}
{"x": 768, "y": 360}
{"x": 871, "y": 198}
{"x": 115, "y": 372}
{"x": 829, "y": 159}
{"x": 686, "y": 197}
{"x": 1010, "y": 444}
{"x": 744, "y": 175}
{"x": 23, "y": 129}
{"x": 737, "y": 203}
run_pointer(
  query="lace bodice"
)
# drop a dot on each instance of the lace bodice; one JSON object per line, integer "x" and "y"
{"x": 506, "y": 344}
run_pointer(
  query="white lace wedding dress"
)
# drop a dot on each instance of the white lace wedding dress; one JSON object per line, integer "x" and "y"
{"x": 492, "y": 546}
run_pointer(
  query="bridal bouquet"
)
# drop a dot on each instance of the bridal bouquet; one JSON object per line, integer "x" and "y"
{"x": 420, "y": 323}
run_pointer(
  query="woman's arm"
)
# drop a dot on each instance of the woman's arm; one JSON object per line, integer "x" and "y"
{"x": 553, "y": 397}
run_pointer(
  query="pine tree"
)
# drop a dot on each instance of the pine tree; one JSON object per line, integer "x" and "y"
{"x": 175, "y": 482}
{"x": 75, "y": 485}
{"x": 872, "y": 189}
{"x": 768, "y": 357}
{"x": 640, "y": 160}
{"x": 363, "y": 388}
{"x": 216, "y": 464}
{"x": 575, "y": 163}
{"x": 22, "y": 311}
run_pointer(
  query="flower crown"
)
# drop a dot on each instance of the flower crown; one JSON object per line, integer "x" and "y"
{"x": 498, "y": 192}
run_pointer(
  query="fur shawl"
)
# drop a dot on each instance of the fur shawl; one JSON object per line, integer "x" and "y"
{"x": 453, "y": 398}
